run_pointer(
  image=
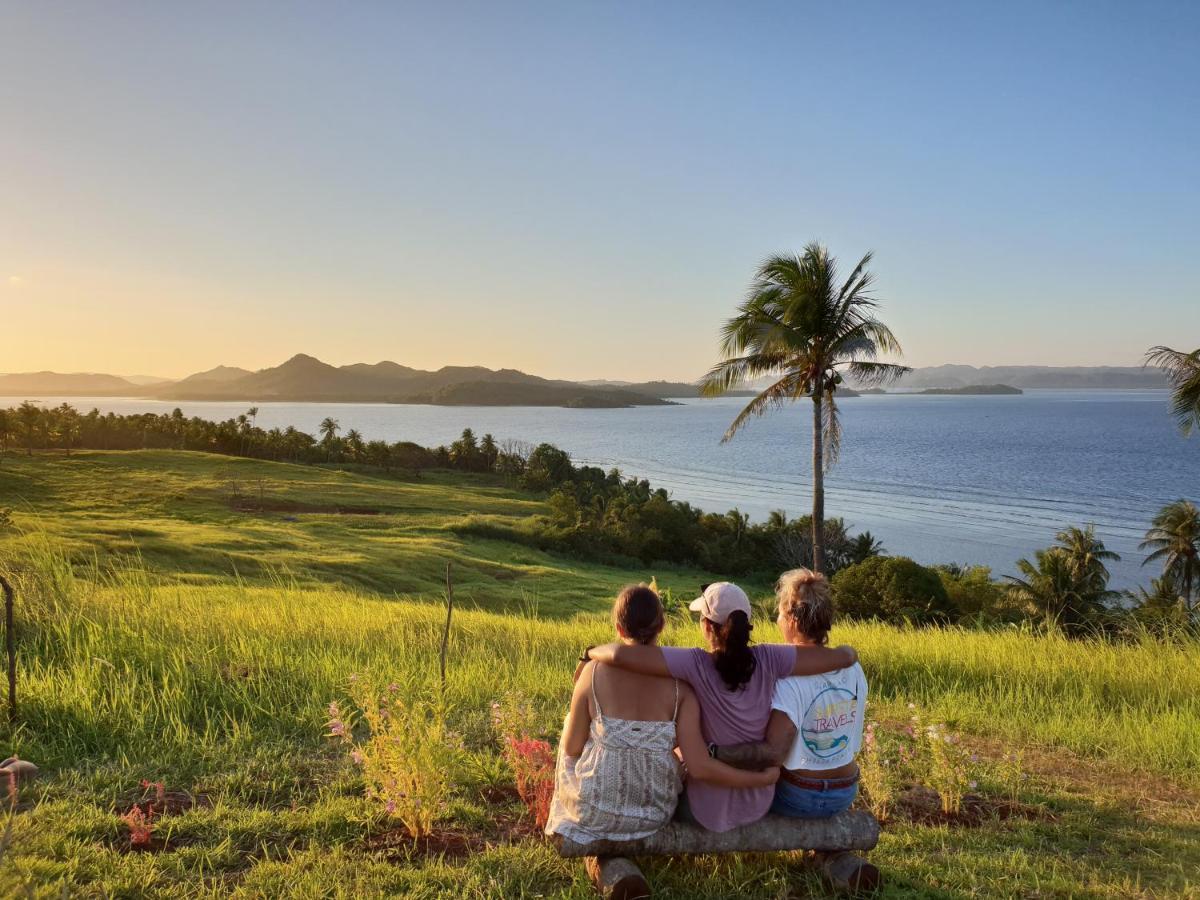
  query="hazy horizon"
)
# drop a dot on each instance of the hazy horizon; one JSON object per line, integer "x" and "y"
{"x": 526, "y": 370}
{"x": 583, "y": 191}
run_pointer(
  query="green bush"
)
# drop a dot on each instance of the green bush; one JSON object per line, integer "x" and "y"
{"x": 893, "y": 588}
{"x": 976, "y": 597}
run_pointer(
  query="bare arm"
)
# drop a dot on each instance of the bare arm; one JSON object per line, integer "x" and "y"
{"x": 781, "y": 732}
{"x": 579, "y": 719}
{"x": 637, "y": 658}
{"x": 695, "y": 752}
{"x": 817, "y": 660}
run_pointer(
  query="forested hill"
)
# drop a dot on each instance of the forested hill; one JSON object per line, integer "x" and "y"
{"x": 1112, "y": 377}
{"x": 304, "y": 378}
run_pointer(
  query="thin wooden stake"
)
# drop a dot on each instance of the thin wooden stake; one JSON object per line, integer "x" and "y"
{"x": 446, "y": 631}
{"x": 10, "y": 643}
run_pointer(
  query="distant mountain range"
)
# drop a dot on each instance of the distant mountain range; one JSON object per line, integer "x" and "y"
{"x": 305, "y": 378}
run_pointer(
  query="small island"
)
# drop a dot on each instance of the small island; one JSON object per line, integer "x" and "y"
{"x": 975, "y": 389}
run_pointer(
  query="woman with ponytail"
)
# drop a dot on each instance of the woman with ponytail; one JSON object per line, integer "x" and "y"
{"x": 734, "y": 682}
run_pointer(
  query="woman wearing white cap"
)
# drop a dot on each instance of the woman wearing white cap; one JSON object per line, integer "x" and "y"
{"x": 734, "y": 683}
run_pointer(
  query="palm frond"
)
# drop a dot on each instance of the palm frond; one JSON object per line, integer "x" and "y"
{"x": 789, "y": 387}
{"x": 875, "y": 374}
{"x": 731, "y": 373}
{"x": 1183, "y": 371}
{"x": 831, "y": 429}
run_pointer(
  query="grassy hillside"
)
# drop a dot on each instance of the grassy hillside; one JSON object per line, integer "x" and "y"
{"x": 199, "y": 518}
{"x": 174, "y": 670}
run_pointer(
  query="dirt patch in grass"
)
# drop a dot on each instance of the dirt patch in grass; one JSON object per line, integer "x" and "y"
{"x": 445, "y": 843}
{"x": 167, "y": 803}
{"x": 451, "y": 841}
{"x": 921, "y": 805}
{"x": 253, "y": 505}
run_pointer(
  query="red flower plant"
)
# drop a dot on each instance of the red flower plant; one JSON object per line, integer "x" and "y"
{"x": 532, "y": 762}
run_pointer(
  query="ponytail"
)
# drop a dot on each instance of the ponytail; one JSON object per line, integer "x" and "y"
{"x": 731, "y": 650}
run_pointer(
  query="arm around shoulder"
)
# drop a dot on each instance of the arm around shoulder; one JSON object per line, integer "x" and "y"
{"x": 817, "y": 660}
{"x": 640, "y": 658}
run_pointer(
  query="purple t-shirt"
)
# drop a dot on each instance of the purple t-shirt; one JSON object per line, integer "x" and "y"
{"x": 731, "y": 717}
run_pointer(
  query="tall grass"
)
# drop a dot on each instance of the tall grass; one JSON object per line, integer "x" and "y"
{"x": 185, "y": 679}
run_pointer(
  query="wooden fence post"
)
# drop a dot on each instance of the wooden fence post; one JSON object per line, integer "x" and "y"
{"x": 446, "y": 631}
{"x": 10, "y": 644}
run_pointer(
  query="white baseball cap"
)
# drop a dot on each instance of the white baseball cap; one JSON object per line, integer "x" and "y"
{"x": 719, "y": 600}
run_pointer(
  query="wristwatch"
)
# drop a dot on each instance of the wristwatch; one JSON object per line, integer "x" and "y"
{"x": 586, "y": 650}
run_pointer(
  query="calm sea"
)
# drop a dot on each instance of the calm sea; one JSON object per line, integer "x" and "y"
{"x": 942, "y": 479}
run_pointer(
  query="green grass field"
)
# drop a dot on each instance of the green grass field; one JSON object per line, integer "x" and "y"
{"x": 170, "y": 634}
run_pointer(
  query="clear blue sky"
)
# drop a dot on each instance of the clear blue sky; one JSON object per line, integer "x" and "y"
{"x": 583, "y": 190}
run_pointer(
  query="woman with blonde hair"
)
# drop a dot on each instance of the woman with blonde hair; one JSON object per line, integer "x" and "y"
{"x": 816, "y": 723}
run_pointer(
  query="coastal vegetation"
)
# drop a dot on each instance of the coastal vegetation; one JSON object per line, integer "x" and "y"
{"x": 608, "y": 518}
{"x": 186, "y": 620}
{"x": 802, "y": 327}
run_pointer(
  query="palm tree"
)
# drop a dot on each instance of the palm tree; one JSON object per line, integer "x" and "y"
{"x": 354, "y": 441}
{"x": 1183, "y": 371}
{"x": 1050, "y": 586}
{"x": 8, "y": 430}
{"x": 329, "y": 428}
{"x": 68, "y": 426}
{"x": 30, "y": 415}
{"x": 1174, "y": 537}
{"x": 800, "y": 326}
{"x": 1087, "y": 555}
{"x": 865, "y": 546}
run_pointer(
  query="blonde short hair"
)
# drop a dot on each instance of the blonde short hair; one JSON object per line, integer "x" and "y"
{"x": 804, "y": 595}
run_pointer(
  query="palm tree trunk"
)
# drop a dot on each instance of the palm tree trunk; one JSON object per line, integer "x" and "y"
{"x": 818, "y": 511}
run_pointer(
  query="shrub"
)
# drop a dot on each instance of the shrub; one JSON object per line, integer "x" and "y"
{"x": 975, "y": 596}
{"x": 547, "y": 466}
{"x": 893, "y": 588}
{"x": 408, "y": 756}
{"x": 532, "y": 760}
{"x": 949, "y": 767}
{"x": 876, "y": 774}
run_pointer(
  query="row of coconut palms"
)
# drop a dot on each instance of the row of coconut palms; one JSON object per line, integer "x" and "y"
{"x": 807, "y": 329}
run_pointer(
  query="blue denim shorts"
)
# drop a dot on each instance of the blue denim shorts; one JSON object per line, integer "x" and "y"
{"x": 804, "y": 803}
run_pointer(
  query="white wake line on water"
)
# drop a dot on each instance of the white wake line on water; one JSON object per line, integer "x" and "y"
{"x": 755, "y": 480}
{"x": 954, "y": 511}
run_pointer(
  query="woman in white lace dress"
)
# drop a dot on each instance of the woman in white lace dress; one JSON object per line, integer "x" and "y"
{"x": 618, "y": 776}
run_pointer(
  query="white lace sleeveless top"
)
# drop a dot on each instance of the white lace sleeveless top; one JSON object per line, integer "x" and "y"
{"x": 624, "y": 785}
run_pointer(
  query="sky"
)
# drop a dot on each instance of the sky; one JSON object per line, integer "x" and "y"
{"x": 583, "y": 190}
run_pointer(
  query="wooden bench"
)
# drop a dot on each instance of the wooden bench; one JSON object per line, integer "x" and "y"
{"x": 616, "y": 876}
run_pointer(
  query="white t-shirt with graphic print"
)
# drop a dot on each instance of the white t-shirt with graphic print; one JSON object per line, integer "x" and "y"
{"x": 828, "y": 712}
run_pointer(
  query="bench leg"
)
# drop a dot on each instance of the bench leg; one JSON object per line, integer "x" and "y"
{"x": 616, "y": 878}
{"x": 849, "y": 873}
